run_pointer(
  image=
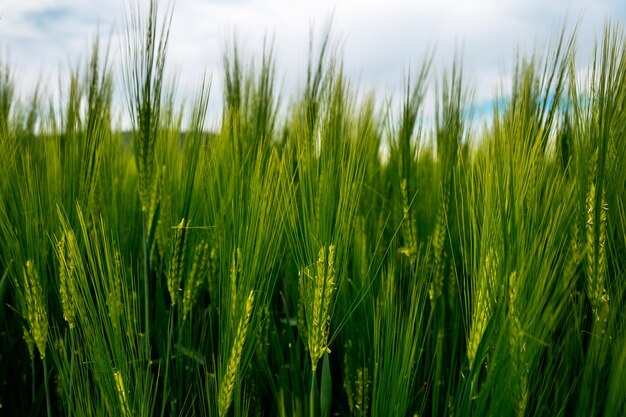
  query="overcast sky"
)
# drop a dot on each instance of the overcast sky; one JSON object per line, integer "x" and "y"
{"x": 377, "y": 39}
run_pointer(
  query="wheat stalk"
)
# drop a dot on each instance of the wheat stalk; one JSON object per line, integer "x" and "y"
{"x": 347, "y": 373}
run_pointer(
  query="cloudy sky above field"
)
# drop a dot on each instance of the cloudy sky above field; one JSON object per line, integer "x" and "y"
{"x": 378, "y": 40}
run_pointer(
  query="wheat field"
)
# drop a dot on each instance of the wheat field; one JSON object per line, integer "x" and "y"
{"x": 341, "y": 257}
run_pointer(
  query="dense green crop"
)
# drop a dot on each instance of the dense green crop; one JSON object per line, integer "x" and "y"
{"x": 335, "y": 258}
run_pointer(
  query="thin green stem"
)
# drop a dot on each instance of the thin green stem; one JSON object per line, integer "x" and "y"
{"x": 69, "y": 413}
{"x": 146, "y": 286}
{"x": 45, "y": 383}
{"x": 32, "y": 369}
{"x": 312, "y": 396}
{"x": 167, "y": 364}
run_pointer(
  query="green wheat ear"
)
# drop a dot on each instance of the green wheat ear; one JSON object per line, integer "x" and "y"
{"x": 517, "y": 347}
{"x": 121, "y": 392}
{"x": 321, "y": 291}
{"x": 435, "y": 290}
{"x": 37, "y": 314}
{"x": 356, "y": 384}
{"x": 596, "y": 257}
{"x": 409, "y": 229}
{"x": 362, "y": 391}
{"x": 199, "y": 270}
{"x": 67, "y": 285}
{"x": 236, "y": 269}
{"x": 212, "y": 273}
{"x": 114, "y": 297}
{"x": 177, "y": 263}
{"x": 227, "y": 384}
{"x": 30, "y": 343}
{"x": 483, "y": 304}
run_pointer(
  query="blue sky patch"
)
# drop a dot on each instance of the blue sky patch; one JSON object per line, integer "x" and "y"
{"x": 47, "y": 19}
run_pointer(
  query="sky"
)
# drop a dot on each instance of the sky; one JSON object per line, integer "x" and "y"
{"x": 379, "y": 41}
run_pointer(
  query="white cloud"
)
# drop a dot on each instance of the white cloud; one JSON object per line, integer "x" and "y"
{"x": 378, "y": 39}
